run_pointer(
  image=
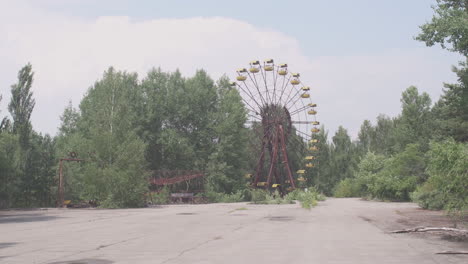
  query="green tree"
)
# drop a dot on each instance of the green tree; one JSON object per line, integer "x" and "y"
{"x": 114, "y": 170}
{"x": 451, "y": 111}
{"x": 227, "y": 163}
{"x": 414, "y": 123}
{"x": 365, "y": 137}
{"x": 383, "y": 140}
{"x": 22, "y": 104}
{"x": 448, "y": 27}
{"x": 343, "y": 156}
{"x": 321, "y": 174}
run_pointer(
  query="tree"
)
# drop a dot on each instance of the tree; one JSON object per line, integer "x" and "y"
{"x": 448, "y": 27}
{"x": 365, "y": 137}
{"x": 414, "y": 123}
{"x": 114, "y": 171}
{"x": 321, "y": 174}
{"x": 343, "y": 156}
{"x": 383, "y": 140}
{"x": 451, "y": 111}
{"x": 227, "y": 164}
{"x": 22, "y": 105}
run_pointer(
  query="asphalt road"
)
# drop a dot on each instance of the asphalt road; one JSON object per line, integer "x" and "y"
{"x": 336, "y": 231}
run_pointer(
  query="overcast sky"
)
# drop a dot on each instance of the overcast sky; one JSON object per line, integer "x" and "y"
{"x": 357, "y": 56}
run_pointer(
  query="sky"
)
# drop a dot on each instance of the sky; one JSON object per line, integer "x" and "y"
{"x": 357, "y": 56}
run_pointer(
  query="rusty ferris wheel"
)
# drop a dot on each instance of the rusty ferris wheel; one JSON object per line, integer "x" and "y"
{"x": 280, "y": 106}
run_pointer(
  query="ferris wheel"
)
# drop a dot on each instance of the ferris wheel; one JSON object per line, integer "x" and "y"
{"x": 280, "y": 109}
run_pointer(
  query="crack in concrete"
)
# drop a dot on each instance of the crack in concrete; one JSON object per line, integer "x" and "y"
{"x": 90, "y": 250}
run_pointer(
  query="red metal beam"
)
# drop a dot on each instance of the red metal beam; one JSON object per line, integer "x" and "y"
{"x": 174, "y": 180}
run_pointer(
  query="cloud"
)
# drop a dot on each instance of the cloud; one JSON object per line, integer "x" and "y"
{"x": 69, "y": 54}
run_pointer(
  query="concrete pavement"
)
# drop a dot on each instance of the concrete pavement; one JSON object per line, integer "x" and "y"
{"x": 336, "y": 231}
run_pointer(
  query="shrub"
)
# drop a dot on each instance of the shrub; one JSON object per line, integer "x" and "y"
{"x": 308, "y": 199}
{"x": 260, "y": 196}
{"x": 161, "y": 197}
{"x": 347, "y": 188}
{"x": 448, "y": 178}
{"x": 215, "y": 197}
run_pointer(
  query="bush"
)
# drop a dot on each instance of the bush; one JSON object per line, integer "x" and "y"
{"x": 162, "y": 197}
{"x": 308, "y": 199}
{"x": 347, "y": 188}
{"x": 215, "y": 197}
{"x": 448, "y": 178}
{"x": 260, "y": 196}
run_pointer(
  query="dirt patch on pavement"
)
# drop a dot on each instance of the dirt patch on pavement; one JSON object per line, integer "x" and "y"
{"x": 398, "y": 216}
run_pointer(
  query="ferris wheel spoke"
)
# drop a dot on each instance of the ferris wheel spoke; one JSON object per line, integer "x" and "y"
{"x": 290, "y": 92}
{"x": 275, "y": 78}
{"x": 251, "y": 95}
{"x": 256, "y": 117}
{"x": 294, "y": 96}
{"x": 284, "y": 87}
{"x": 266, "y": 87}
{"x": 256, "y": 86}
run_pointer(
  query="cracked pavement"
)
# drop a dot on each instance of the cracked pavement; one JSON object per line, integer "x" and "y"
{"x": 336, "y": 231}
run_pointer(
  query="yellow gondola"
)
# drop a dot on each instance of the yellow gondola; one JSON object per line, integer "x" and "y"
{"x": 312, "y": 105}
{"x": 248, "y": 175}
{"x": 305, "y": 88}
{"x": 275, "y": 185}
{"x": 268, "y": 68}
{"x": 254, "y": 69}
{"x": 242, "y": 70}
{"x": 241, "y": 78}
{"x": 289, "y": 189}
{"x": 309, "y": 157}
{"x": 283, "y": 69}
{"x": 300, "y": 171}
{"x": 305, "y": 95}
{"x": 313, "y": 141}
{"x": 255, "y": 62}
{"x": 301, "y": 179}
{"x": 313, "y": 148}
{"x": 269, "y": 61}
{"x": 315, "y": 130}
{"x": 310, "y": 165}
{"x": 315, "y": 123}
{"x": 296, "y": 75}
{"x": 261, "y": 183}
{"x": 233, "y": 83}
{"x": 295, "y": 82}
{"x": 312, "y": 112}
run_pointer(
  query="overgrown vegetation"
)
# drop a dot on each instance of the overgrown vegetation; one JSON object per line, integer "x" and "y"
{"x": 125, "y": 127}
{"x": 423, "y": 154}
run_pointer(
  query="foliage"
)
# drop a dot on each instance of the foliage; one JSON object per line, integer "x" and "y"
{"x": 161, "y": 197}
{"x": 347, "y": 188}
{"x": 103, "y": 134}
{"x": 448, "y": 27}
{"x": 22, "y": 104}
{"x": 414, "y": 123}
{"x": 215, "y": 197}
{"x": 448, "y": 177}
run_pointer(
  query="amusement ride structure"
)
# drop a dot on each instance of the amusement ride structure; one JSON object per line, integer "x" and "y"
{"x": 281, "y": 111}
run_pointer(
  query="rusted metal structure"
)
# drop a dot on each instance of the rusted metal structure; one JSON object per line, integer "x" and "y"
{"x": 61, "y": 184}
{"x": 280, "y": 108}
{"x": 169, "y": 177}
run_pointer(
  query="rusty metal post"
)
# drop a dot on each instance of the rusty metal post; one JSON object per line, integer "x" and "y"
{"x": 285, "y": 157}
{"x": 61, "y": 187}
{"x": 61, "y": 198}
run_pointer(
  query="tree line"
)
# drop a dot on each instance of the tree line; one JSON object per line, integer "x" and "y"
{"x": 422, "y": 154}
{"x": 125, "y": 127}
